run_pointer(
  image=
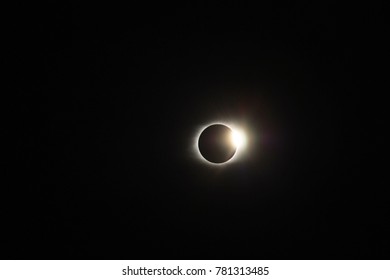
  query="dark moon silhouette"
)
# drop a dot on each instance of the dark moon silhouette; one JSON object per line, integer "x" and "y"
{"x": 215, "y": 143}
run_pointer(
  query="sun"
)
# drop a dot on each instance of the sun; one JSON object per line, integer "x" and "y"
{"x": 238, "y": 139}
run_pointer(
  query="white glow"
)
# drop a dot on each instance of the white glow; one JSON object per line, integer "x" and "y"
{"x": 239, "y": 140}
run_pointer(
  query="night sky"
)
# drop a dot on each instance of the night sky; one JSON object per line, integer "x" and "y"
{"x": 109, "y": 100}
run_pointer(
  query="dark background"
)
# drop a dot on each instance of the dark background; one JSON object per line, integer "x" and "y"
{"x": 107, "y": 100}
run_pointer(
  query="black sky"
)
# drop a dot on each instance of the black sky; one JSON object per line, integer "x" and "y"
{"x": 108, "y": 99}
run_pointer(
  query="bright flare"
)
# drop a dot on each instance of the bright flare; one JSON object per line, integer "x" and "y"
{"x": 238, "y": 139}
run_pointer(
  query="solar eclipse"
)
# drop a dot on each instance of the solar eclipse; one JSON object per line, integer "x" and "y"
{"x": 219, "y": 143}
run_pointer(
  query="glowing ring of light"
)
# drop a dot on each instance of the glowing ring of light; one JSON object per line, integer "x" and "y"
{"x": 239, "y": 139}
